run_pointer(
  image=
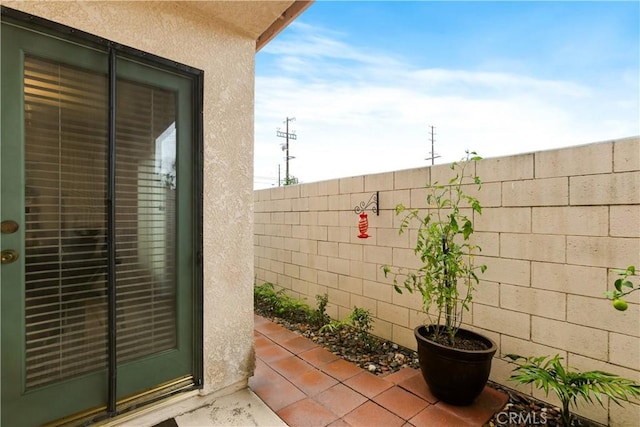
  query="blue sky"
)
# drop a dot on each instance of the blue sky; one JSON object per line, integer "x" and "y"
{"x": 365, "y": 80}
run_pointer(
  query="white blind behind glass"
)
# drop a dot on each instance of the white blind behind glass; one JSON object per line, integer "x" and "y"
{"x": 66, "y": 228}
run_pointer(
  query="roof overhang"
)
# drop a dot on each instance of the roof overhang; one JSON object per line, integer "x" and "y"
{"x": 261, "y": 20}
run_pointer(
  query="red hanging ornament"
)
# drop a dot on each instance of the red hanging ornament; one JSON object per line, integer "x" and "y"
{"x": 363, "y": 226}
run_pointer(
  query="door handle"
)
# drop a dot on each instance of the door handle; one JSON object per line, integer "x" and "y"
{"x": 8, "y": 256}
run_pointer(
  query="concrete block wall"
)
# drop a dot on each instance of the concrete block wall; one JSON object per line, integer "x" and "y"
{"x": 554, "y": 225}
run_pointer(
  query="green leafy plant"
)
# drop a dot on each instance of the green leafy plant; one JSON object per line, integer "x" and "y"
{"x": 270, "y": 302}
{"x": 359, "y": 319}
{"x": 362, "y": 323}
{"x": 278, "y": 303}
{"x": 448, "y": 274}
{"x": 334, "y": 326}
{"x": 266, "y": 299}
{"x": 569, "y": 385}
{"x": 623, "y": 287}
{"x": 319, "y": 316}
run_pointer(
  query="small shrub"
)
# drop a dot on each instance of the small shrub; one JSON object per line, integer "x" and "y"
{"x": 277, "y": 303}
{"x": 269, "y": 302}
{"x": 319, "y": 316}
{"x": 359, "y": 320}
{"x": 334, "y": 326}
{"x": 265, "y": 298}
{"x": 569, "y": 385}
{"x": 448, "y": 275}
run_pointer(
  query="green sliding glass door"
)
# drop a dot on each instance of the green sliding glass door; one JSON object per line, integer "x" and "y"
{"x": 55, "y": 167}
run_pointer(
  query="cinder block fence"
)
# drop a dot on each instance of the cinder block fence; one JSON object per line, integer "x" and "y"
{"x": 554, "y": 225}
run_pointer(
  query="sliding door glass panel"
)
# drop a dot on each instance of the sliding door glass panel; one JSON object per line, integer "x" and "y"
{"x": 65, "y": 223}
{"x": 145, "y": 220}
{"x": 65, "y": 159}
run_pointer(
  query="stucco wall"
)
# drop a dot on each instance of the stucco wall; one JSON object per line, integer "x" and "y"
{"x": 554, "y": 224}
{"x": 174, "y": 31}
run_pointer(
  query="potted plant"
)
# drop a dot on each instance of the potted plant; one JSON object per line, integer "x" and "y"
{"x": 455, "y": 362}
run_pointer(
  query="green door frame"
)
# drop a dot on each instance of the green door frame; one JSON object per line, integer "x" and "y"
{"x": 143, "y": 68}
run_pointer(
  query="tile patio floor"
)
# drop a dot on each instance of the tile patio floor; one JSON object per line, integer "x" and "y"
{"x": 306, "y": 385}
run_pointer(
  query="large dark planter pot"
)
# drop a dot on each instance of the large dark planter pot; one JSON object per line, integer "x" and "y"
{"x": 454, "y": 376}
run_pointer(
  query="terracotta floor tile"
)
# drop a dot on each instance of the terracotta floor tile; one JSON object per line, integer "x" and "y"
{"x": 291, "y": 367}
{"x": 269, "y": 328}
{"x": 262, "y": 375}
{"x": 433, "y": 415}
{"x": 401, "y": 375}
{"x": 318, "y": 356}
{"x": 261, "y": 341}
{"x": 400, "y": 402}
{"x": 492, "y": 398}
{"x": 340, "y": 399}
{"x": 301, "y": 382}
{"x": 260, "y": 365}
{"x": 276, "y": 391}
{"x": 284, "y": 336}
{"x": 341, "y": 369}
{"x": 272, "y": 352}
{"x": 416, "y": 385}
{"x": 306, "y": 413}
{"x": 481, "y": 410}
{"x": 313, "y": 382}
{"x": 298, "y": 345}
{"x": 340, "y": 423}
{"x": 259, "y": 320}
{"x": 368, "y": 384}
{"x": 371, "y": 414}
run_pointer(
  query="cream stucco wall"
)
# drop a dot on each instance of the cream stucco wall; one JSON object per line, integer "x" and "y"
{"x": 177, "y": 32}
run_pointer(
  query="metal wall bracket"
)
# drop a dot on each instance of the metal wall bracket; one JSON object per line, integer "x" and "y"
{"x": 373, "y": 201}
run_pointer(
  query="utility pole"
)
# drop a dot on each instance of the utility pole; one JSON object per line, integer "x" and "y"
{"x": 433, "y": 154}
{"x": 279, "y": 181}
{"x": 285, "y": 147}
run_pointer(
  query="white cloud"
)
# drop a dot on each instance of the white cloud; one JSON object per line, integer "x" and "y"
{"x": 321, "y": 44}
{"x": 365, "y": 112}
